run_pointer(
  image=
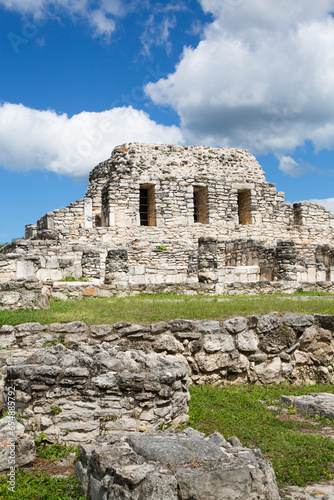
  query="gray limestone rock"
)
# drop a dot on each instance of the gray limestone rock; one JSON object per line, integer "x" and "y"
{"x": 268, "y": 323}
{"x": 72, "y": 327}
{"x": 247, "y": 341}
{"x": 16, "y": 447}
{"x": 236, "y": 325}
{"x": 321, "y": 404}
{"x": 269, "y": 373}
{"x": 170, "y": 465}
{"x": 208, "y": 326}
{"x": 168, "y": 343}
{"x": 220, "y": 342}
{"x": 298, "y": 321}
{"x": 213, "y": 362}
{"x": 181, "y": 325}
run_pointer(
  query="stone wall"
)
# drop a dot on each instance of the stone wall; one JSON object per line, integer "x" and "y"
{"x": 32, "y": 293}
{"x": 268, "y": 349}
{"x": 24, "y": 293}
{"x": 77, "y": 393}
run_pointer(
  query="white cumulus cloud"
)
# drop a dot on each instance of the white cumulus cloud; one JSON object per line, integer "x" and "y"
{"x": 294, "y": 168}
{"x": 262, "y": 77}
{"x": 45, "y": 140}
{"x": 101, "y": 16}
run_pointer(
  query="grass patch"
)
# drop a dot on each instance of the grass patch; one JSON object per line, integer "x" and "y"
{"x": 39, "y": 486}
{"x": 297, "y": 457}
{"x": 55, "y": 451}
{"x": 148, "y": 308}
{"x": 69, "y": 277}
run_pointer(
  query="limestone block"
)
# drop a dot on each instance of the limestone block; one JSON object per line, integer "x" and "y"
{"x": 222, "y": 471}
{"x": 298, "y": 321}
{"x": 168, "y": 343}
{"x": 15, "y": 444}
{"x": 269, "y": 373}
{"x": 321, "y": 404}
{"x": 218, "y": 342}
{"x": 207, "y": 326}
{"x": 212, "y": 362}
{"x": 246, "y": 341}
{"x": 236, "y": 325}
{"x": 268, "y": 323}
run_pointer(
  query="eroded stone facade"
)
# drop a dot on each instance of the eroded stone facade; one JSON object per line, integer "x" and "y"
{"x": 159, "y": 215}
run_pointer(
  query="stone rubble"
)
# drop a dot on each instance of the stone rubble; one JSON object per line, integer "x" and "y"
{"x": 174, "y": 465}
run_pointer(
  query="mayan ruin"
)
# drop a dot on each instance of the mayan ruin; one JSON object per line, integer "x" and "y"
{"x": 158, "y": 217}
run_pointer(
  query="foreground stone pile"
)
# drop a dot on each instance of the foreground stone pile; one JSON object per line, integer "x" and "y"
{"x": 268, "y": 349}
{"x": 174, "y": 465}
{"x": 76, "y": 394}
{"x": 321, "y": 404}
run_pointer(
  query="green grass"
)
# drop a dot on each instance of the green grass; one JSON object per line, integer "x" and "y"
{"x": 40, "y": 487}
{"x": 147, "y": 309}
{"x": 55, "y": 451}
{"x": 297, "y": 457}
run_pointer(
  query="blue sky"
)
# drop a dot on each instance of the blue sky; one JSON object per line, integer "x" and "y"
{"x": 79, "y": 77}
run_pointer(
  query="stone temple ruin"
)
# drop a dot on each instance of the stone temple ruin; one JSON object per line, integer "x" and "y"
{"x": 162, "y": 218}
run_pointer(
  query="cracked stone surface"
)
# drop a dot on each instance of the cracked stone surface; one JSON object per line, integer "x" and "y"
{"x": 173, "y": 465}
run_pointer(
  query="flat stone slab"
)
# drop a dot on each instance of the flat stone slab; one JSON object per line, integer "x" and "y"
{"x": 174, "y": 465}
{"x": 321, "y": 404}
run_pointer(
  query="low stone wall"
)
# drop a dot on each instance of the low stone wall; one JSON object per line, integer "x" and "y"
{"x": 75, "y": 394}
{"x": 78, "y": 290}
{"x": 269, "y": 349}
{"x": 35, "y": 294}
{"x": 22, "y": 293}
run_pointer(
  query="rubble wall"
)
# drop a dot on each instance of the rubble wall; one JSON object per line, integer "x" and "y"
{"x": 269, "y": 349}
{"x": 77, "y": 393}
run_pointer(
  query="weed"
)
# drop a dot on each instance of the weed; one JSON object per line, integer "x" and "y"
{"x": 41, "y": 486}
{"x": 69, "y": 277}
{"x": 291, "y": 410}
{"x": 55, "y": 410}
{"x": 61, "y": 340}
{"x": 162, "y": 248}
{"x": 40, "y": 438}
{"x": 54, "y": 451}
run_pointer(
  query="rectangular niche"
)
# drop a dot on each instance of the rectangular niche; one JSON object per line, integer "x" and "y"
{"x": 147, "y": 204}
{"x": 201, "y": 204}
{"x": 244, "y": 207}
